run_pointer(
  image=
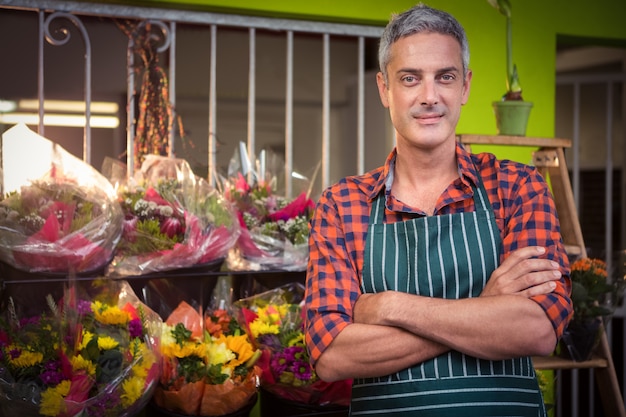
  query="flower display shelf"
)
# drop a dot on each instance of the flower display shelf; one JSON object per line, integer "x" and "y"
{"x": 549, "y": 158}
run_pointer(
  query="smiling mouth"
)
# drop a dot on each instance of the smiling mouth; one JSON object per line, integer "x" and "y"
{"x": 428, "y": 118}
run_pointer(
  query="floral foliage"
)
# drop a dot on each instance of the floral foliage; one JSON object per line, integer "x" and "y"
{"x": 594, "y": 293}
{"x": 63, "y": 218}
{"x": 208, "y": 364}
{"x": 274, "y": 321}
{"x": 275, "y": 228}
{"x": 172, "y": 221}
{"x": 93, "y": 353}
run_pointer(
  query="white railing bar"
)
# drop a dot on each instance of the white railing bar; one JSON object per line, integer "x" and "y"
{"x": 40, "y": 74}
{"x": 326, "y": 112}
{"x": 195, "y": 16}
{"x": 172, "y": 90}
{"x": 252, "y": 95}
{"x": 360, "y": 124}
{"x": 212, "y": 107}
{"x": 576, "y": 147}
{"x": 289, "y": 116}
{"x": 608, "y": 175}
{"x": 64, "y": 36}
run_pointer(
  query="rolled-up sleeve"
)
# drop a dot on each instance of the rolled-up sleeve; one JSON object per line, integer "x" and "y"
{"x": 332, "y": 284}
{"x": 533, "y": 220}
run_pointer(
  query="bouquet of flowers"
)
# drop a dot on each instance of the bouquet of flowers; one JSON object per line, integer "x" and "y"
{"x": 92, "y": 353}
{"x": 58, "y": 214}
{"x": 172, "y": 220}
{"x": 275, "y": 229}
{"x": 274, "y": 321}
{"x": 594, "y": 293}
{"x": 208, "y": 364}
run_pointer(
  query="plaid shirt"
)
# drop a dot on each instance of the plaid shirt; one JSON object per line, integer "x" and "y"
{"x": 524, "y": 210}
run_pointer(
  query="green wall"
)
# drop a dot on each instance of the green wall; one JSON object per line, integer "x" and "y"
{"x": 536, "y": 26}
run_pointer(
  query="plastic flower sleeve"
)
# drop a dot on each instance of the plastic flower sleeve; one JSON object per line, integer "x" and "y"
{"x": 172, "y": 220}
{"x": 208, "y": 364}
{"x": 274, "y": 321}
{"x": 57, "y": 214}
{"x": 94, "y": 352}
{"x": 274, "y": 228}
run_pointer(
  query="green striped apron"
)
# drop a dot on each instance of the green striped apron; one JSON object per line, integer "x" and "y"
{"x": 447, "y": 256}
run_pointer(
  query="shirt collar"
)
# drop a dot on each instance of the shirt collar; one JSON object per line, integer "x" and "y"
{"x": 466, "y": 166}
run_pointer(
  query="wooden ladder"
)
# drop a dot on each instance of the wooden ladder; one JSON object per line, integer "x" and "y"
{"x": 549, "y": 158}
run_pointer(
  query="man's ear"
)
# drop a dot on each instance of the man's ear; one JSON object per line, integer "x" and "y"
{"x": 466, "y": 86}
{"x": 382, "y": 89}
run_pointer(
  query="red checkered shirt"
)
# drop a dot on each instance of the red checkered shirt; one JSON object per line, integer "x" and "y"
{"x": 524, "y": 210}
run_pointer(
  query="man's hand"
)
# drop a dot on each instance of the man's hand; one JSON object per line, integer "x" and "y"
{"x": 522, "y": 273}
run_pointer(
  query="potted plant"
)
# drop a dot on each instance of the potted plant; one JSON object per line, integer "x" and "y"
{"x": 594, "y": 297}
{"x": 511, "y": 111}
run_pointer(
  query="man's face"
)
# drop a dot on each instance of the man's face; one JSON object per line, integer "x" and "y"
{"x": 425, "y": 89}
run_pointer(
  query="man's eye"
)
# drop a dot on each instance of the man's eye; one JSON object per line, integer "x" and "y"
{"x": 409, "y": 79}
{"x": 447, "y": 77}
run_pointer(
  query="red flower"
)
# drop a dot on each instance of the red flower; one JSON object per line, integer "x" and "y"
{"x": 298, "y": 207}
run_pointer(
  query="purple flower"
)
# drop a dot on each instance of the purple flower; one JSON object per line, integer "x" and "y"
{"x": 52, "y": 374}
{"x": 135, "y": 328}
{"x": 84, "y": 307}
{"x": 29, "y": 320}
{"x": 270, "y": 341}
{"x": 108, "y": 400}
{"x": 280, "y": 363}
{"x": 294, "y": 353}
{"x": 302, "y": 370}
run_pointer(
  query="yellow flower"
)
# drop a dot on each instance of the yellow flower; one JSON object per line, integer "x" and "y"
{"x": 53, "y": 400}
{"x": 188, "y": 349}
{"x": 87, "y": 336}
{"x": 107, "y": 314}
{"x": 258, "y": 327}
{"x": 78, "y": 363}
{"x": 241, "y": 346}
{"x": 145, "y": 363}
{"x": 107, "y": 343}
{"x": 133, "y": 389}
{"x": 26, "y": 358}
{"x": 219, "y": 353}
{"x": 297, "y": 340}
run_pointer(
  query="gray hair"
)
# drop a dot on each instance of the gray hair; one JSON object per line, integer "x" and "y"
{"x": 418, "y": 19}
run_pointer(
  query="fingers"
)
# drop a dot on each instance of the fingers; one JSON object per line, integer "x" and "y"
{"x": 524, "y": 273}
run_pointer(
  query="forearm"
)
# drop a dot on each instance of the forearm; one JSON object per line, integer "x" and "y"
{"x": 494, "y": 327}
{"x": 382, "y": 350}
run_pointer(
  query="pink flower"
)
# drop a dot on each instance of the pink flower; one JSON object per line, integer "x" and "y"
{"x": 296, "y": 208}
{"x": 242, "y": 184}
{"x": 129, "y": 228}
{"x": 172, "y": 227}
{"x": 152, "y": 195}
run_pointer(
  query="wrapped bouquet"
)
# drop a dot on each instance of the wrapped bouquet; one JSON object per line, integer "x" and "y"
{"x": 275, "y": 228}
{"x": 208, "y": 364}
{"x": 57, "y": 213}
{"x": 92, "y": 353}
{"x": 274, "y": 321}
{"x": 172, "y": 220}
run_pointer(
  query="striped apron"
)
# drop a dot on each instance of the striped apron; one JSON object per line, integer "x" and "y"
{"x": 448, "y": 256}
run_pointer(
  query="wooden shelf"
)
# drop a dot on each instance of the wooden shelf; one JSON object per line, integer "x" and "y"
{"x": 550, "y": 161}
{"x": 555, "y": 362}
{"x": 514, "y": 141}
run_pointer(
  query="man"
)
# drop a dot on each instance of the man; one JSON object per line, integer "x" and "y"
{"x": 433, "y": 279}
